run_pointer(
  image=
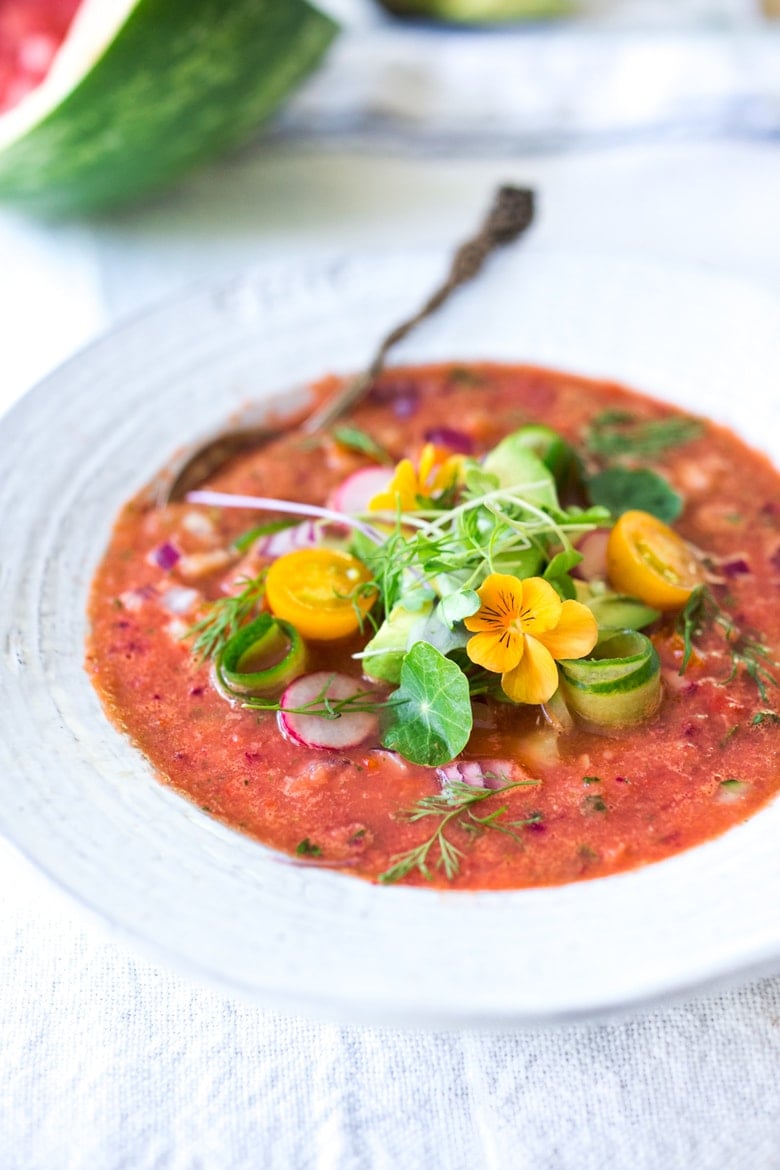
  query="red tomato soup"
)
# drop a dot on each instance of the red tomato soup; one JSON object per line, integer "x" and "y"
{"x": 656, "y": 739}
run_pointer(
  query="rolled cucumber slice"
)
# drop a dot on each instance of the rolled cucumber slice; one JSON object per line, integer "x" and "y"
{"x": 617, "y": 685}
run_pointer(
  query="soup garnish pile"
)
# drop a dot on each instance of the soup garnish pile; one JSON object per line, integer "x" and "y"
{"x": 507, "y": 627}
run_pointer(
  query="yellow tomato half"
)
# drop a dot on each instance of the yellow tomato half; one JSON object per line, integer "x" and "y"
{"x": 648, "y": 560}
{"x": 317, "y": 591}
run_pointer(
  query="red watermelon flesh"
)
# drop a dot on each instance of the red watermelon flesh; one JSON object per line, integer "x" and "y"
{"x": 31, "y": 32}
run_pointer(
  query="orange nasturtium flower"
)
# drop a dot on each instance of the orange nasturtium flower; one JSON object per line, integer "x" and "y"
{"x": 521, "y": 628}
{"x": 436, "y": 471}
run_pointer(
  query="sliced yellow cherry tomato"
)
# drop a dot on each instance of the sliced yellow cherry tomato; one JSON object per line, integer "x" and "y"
{"x": 648, "y": 560}
{"x": 315, "y": 590}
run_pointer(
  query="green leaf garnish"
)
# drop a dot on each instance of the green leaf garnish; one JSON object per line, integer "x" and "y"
{"x": 621, "y": 489}
{"x": 429, "y": 720}
{"x": 357, "y": 440}
{"x": 562, "y": 563}
{"x": 617, "y": 434}
{"x": 457, "y": 606}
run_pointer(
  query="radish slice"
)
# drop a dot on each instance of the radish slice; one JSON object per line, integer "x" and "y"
{"x": 356, "y": 492}
{"x": 287, "y": 540}
{"x": 316, "y": 731}
{"x": 593, "y": 547}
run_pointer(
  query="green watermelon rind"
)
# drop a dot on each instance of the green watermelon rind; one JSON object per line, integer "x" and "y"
{"x": 480, "y": 11}
{"x": 180, "y": 82}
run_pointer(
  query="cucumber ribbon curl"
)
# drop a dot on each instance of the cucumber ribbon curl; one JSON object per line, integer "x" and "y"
{"x": 261, "y": 658}
{"x": 617, "y": 685}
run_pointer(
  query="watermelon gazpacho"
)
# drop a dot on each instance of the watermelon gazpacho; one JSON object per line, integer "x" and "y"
{"x": 505, "y": 627}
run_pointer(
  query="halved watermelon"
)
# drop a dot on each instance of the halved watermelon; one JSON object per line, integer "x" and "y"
{"x": 104, "y": 100}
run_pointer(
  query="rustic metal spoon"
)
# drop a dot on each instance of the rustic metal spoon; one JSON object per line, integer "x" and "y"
{"x": 510, "y": 215}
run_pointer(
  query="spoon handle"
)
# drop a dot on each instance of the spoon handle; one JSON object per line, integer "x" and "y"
{"x": 510, "y": 215}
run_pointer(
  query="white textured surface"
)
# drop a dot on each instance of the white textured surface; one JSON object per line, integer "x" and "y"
{"x": 111, "y": 1062}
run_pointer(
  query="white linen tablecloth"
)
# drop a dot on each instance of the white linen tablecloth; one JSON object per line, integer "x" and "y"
{"x": 108, "y": 1062}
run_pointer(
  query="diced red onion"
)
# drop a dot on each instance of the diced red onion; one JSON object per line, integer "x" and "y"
{"x": 165, "y": 556}
{"x": 193, "y": 566}
{"x": 679, "y": 684}
{"x": 736, "y": 567}
{"x": 402, "y": 397}
{"x": 177, "y": 629}
{"x": 180, "y": 600}
{"x": 774, "y": 560}
{"x": 406, "y": 407}
{"x": 455, "y": 440}
{"x": 133, "y": 599}
{"x": 198, "y": 524}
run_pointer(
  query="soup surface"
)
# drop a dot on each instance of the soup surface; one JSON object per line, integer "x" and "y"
{"x": 538, "y": 795}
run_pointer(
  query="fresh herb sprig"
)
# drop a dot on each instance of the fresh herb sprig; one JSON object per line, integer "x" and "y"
{"x": 618, "y": 434}
{"x": 225, "y": 616}
{"x": 323, "y": 705}
{"x": 747, "y": 653}
{"x": 454, "y": 805}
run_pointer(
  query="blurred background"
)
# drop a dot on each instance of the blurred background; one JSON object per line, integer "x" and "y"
{"x": 650, "y": 125}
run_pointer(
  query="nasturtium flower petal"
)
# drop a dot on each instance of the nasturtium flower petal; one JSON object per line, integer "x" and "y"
{"x": 496, "y": 652}
{"x": 541, "y": 606}
{"x": 426, "y": 463}
{"x": 436, "y": 471}
{"x": 535, "y": 678}
{"x": 576, "y": 633}
{"x": 521, "y": 628}
{"x": 501, "y": 597}
{"x": 400, "y": 493}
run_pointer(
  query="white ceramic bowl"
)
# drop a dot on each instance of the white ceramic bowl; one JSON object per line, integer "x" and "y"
{"x": 82, "y": 803}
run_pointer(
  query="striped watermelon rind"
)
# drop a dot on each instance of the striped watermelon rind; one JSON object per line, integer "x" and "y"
{"x": 179, "y": 82}
{"x": 480, "y": 11}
